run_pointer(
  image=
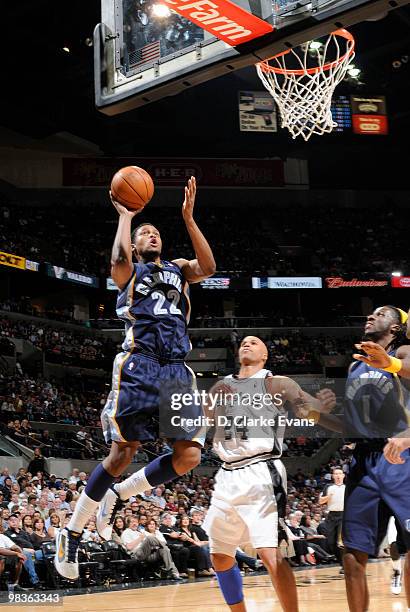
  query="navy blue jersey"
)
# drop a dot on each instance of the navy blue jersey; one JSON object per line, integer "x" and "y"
{"x": 155, "y": 307}
{"x": 375, "y": 403}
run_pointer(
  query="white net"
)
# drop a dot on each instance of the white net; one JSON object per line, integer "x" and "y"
{"x": 302, "y": 82}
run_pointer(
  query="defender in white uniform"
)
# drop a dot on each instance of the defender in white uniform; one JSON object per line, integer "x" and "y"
{"x": 250, "y": 488}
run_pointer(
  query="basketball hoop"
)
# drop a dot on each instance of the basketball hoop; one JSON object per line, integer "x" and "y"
{"x": 302, "y": 82}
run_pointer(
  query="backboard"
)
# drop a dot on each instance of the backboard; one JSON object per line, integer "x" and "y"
{"x": 145, "y": 50}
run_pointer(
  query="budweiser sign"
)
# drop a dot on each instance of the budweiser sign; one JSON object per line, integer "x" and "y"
{"x": 400, "y": 282}
{"x": 223, "y": 19}
{"x": 334, "y": 282}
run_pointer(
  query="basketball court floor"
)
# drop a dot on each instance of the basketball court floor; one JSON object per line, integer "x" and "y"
{"x": 320, "y": 590}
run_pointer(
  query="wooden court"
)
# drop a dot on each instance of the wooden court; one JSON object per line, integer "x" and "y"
{"x": 320, "y": 590}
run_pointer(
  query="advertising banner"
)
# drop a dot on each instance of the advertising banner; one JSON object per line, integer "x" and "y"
{"x": 169, "y": 172}
{"x": 335, "y": 282}
{"x": 257, "y": 112}
{"x": 222, "y": 18}
{"x": 13, "y": 261}
{"x": 33, "y": 266}
{"x": 400, "y": 282}
{"x": 215, "y": 283}
{"x": 73, "y": 277}
{"x": 284, "y": 282}
{"x": 369, "y": 115}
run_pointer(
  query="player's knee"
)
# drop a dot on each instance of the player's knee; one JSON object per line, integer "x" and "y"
{"x": 352, "y": 560}
{"x": 273, "y": 562}
{"x": 120, "y": 457}
{"x": 186, "y": 457}
{"x": 221, "y": 562}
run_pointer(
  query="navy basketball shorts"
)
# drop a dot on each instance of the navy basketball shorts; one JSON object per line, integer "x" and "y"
{"x": 375, "y": 491}
{"x": 143, "y": 403}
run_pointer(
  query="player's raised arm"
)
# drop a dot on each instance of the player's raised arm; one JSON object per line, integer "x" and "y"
{"x": 121, "y": 255}
{"x": 204, "y": 265}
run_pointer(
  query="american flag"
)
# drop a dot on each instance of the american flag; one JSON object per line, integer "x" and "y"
{"x": 148, "y": 53}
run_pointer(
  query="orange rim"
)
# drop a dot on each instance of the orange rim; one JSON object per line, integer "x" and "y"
{"x": 342, "y": 32}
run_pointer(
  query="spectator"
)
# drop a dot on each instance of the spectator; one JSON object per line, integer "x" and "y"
{"x": 62, "y": 496}
{"x": 196, "y": 528}
{"x": 82, "y": 480}
{"x": 171, "y": 506}
{"x": 27, "y": 524}
{"x": 75, "y": 476}
{"x": 118, "y": 529}
{"x": 39, "y": 536}
{"x": 5, "y": 473}
{"x": 12, "y": 558}
{"x": 90, "y": 533}
{"x": 38, "y": 462}
{"x": 3, "y": 503}
{"x": 6, "y": 488}
{"x": 175, "y": 542}
{"x": 164, "y": 552}
{"x": 22, "y": 539}
{"x": 299, "y": 543}
{"x": 158, "y": 499}
{"x": 198, "y": 555}
{"x": 137, "y": 543}
{"x": 316, "y": 541}
{"x": 55, "y": 524}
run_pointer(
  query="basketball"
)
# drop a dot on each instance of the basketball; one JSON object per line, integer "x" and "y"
{"x": 133, "y": 187}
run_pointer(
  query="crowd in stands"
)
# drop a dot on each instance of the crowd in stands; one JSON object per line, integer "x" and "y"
{"x": 63, "y": 346}
{"x": 36, "y": 399}
{"x": 78, "y": 348}
{"x": 25, "y": 306}
{"x": 288, "y": 350}
{"x": 25, "y": 231}
{"x": 160, "y": 529}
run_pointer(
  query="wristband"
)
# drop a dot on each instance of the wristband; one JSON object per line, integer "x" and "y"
{"x": 314, "y": 415}
{"x": 395, "y": 365}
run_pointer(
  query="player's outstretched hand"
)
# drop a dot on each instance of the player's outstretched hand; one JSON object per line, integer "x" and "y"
{"x": 328, "y": 400}
{"x": 122, "y": 210}
{"x": 189, "y": 201}
{"x": 376, "y": 356}
{"x": 394, "y": 448}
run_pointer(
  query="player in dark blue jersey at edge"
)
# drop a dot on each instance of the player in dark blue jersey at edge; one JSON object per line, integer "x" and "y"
{"x": 153, "y": 301}
{"x": 378, "y": 483}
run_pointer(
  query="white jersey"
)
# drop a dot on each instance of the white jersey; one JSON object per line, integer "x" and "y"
{"x": 249, "y": 429}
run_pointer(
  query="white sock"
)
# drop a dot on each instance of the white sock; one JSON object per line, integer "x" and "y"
{"x": 84, "y": 510}
{"x": 133, "y": 485}
{"x": 396, "y": 565}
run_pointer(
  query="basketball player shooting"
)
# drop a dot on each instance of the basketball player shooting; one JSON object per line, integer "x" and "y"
{"x": 249, "y": 495}
{"x": 378, "y": 483}
{"x": 154, "y": 304}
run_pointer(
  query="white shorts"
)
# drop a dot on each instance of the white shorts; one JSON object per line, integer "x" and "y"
{"x": 243, "y": 509}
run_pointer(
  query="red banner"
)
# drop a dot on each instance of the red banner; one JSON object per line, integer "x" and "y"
{"x": 335, "y": 282}
{"x": 400, "y": 282}
{"x": 370, "y": 124}
{"x": 223, "y": 19}
{"x": 166, "y": 172}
